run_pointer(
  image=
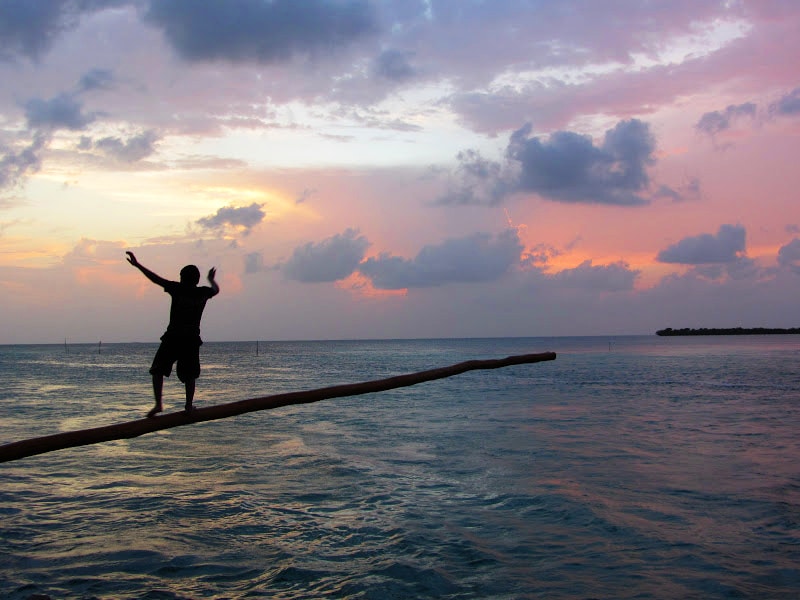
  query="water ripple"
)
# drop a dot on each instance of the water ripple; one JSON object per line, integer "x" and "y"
{"x": 663, "y": 469}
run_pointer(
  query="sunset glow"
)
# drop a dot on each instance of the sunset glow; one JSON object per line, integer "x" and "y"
{"x": 391, "y": 169}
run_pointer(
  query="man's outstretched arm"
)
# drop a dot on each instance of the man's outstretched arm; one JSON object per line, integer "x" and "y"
{"x": 212, "y": 273}
{"x": 157, "y": 279}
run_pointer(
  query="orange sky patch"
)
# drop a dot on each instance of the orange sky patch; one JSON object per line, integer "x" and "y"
{"x": 361, "y": 286}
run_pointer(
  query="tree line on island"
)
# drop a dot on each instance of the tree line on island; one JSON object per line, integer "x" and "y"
{"x": 729, "y": 331}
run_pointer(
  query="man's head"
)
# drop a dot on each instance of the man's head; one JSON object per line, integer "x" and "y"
{"x": 190, "y": 275}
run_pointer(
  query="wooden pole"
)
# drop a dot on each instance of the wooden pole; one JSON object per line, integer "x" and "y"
{"x": 84, "y": 437}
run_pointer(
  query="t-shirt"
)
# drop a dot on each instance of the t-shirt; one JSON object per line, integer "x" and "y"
{"x": 187, "y": 307}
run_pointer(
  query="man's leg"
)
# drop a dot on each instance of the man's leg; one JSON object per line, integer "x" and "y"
{"x": 158, "y": 386}
{"x": 189, "y": 370}
{"x": 190, "y": 385}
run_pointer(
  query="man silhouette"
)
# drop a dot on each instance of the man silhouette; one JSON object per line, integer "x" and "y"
{"x": 181, "y": 342}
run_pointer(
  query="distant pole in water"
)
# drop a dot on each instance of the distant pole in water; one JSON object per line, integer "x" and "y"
{"x": 65, "y": 345}
{"x": 256, "y": 347}
{"x": 99, "y": 346}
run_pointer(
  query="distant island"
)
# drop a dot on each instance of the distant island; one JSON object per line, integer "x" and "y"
{"x": 729, "y": 331}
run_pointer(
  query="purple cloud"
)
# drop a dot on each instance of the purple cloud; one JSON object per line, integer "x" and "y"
{"x": 131, "y": 150}
{"x": 615, "y": 277}
{"x": 789, "y": 255}
{"x": 257, "y": 31}
{"x": 63, "y": 111}
{"x": 246, "y": 217}
{"x": 724, "y": 247}
{"x": 15, "y": 165}
{"x": 330, "y": 260}
{"x": 475, "y": 258}
{"x": 788, "y": 105}
{"x": 394, "y": 65}
{"x": 715, "y": 122}
{"x": 565, "y": 167}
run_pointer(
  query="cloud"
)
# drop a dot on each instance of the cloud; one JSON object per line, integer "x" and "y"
{"x": 253, "y": 262}
{"x": 96, "y": 79}
{"x": 91, "y": 251}
{"x": 570, "y": 168}
{"x": 330, "y": 260}
{"x": 552, "y": 100}
{"x": 28, "y": 28}
{"x": 567, "y": 167}
{"x": 715, "y": 122}
{"x": 724, "y": 247}
{"x": 258, "y": 31}
{"x": 43, "y": 118}
{"x": 478, "y": 180}
{"x": 540, "y": 254}
{"x": 668, "y": 192}
{"x": 131, "y": 150}
{"x": 243, "y": 217}
{"x": 689, "y": 190}
{"x": 615, "y": 277}
{"x": 63, "y": 111}
{"x": 394, "y": 65}
{"x": 789, "y": 255}
{"x": 475, "y": 258}
{"x": 788, "y": 105}
{"x": 15, "y": 165}
{"x": 305, "y": 195}
{"x": 743, "y": 268}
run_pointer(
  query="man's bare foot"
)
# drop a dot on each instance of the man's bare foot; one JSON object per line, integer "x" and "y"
{"x": 154, "y": 411}
{"x": 189, "y": 408}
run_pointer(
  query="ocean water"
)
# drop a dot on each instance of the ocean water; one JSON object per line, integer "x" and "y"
{"x": 629, "y": 467}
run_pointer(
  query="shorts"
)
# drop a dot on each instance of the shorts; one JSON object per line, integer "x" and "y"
{"x": 184, "y": 351}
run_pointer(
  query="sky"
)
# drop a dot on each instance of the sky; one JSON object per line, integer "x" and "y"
{"x": 362, "y": 169}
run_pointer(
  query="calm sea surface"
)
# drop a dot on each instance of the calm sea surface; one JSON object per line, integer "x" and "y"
{"x": 630, "y": 467}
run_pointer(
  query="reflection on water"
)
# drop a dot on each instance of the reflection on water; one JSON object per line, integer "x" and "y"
{"x": 664, "y": 467}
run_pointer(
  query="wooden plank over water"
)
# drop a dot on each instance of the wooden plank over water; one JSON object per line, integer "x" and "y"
{"x": 132, "y": 429}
